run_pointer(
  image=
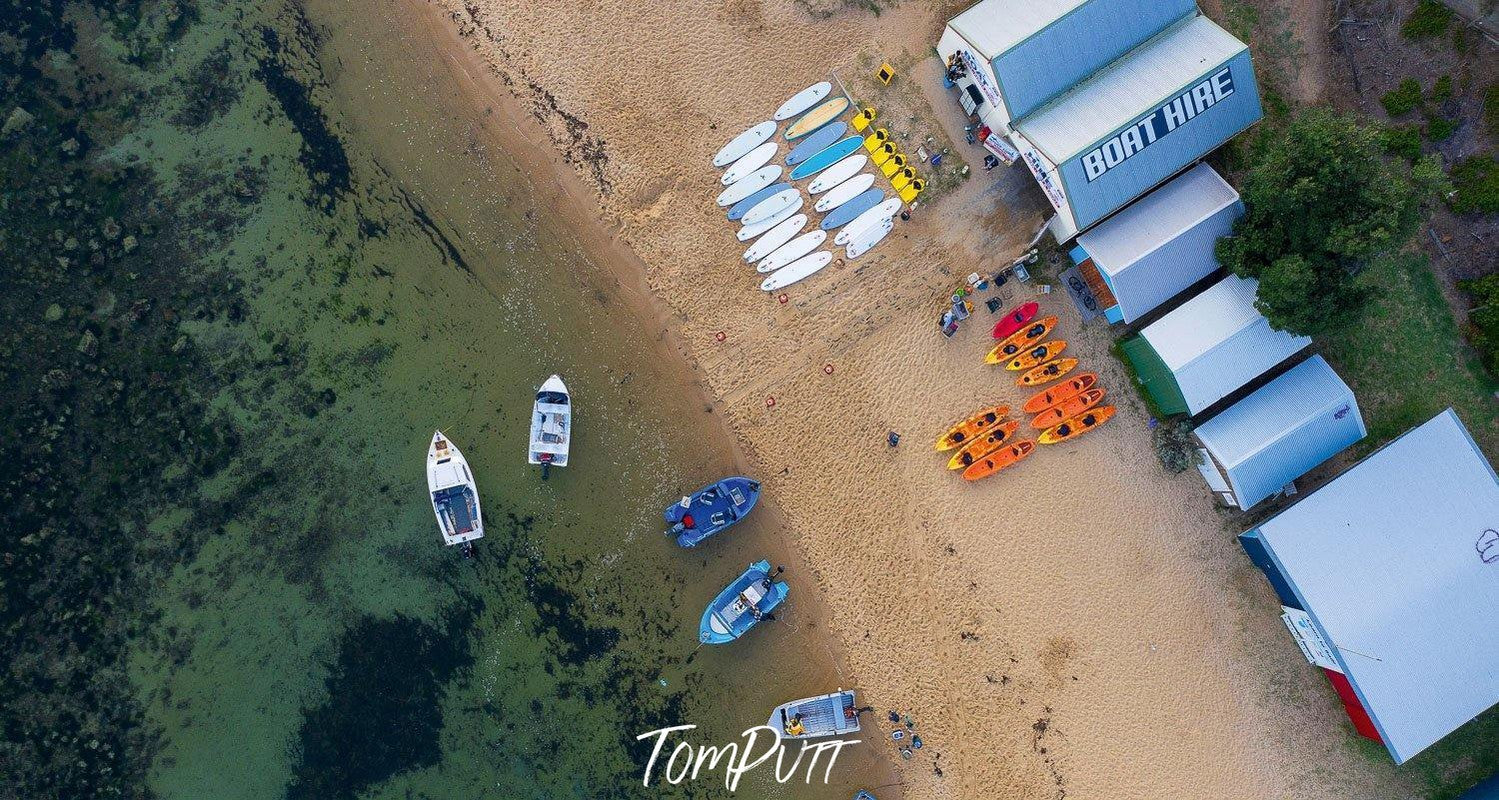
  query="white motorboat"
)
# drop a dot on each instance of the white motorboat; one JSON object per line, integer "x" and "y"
{"x": 551, "y": 425}
{"x": 455, "y": 497}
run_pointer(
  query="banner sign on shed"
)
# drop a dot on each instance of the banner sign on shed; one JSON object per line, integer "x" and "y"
{"x": 1313, "y": 646}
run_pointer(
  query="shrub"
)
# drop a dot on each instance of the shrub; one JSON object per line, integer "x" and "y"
{"x": 1483, "y": 320}
{"x": 1403, "y": 99}
{"x": 1491, "y": 109}
{"x": 1403, "y": 141}
{"x": 1439, "y": 128}
{"x": 1174, "y": 445}
{"x": 1475, "y": 183}
{"x": 1441, "y": 91}
{"x": 1430, "y": 18}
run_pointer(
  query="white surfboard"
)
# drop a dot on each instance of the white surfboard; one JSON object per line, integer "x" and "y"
{"x": 792, "y": 250}
{"x": 748, "y": 163}
{"x": 869, "y": 237}
{"x": 770, "y": 206}
{"x": 796, "y": 270}
{"x": 749, "y": 232}
{"x": 844, "y": 192}
{"x": 743, "y": 143}
{"x": 775, "y": 237}
{"x": 749, "y": 184}
{"x": 884, "y": 210}
{"x": 803, "y": 100}
{"x": 838, "y": 173}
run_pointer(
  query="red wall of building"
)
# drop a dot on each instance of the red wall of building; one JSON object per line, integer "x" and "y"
{"x": 1355, "y": 709}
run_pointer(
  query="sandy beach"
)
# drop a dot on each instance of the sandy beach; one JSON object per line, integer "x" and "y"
{"x": 1082, "y": 627}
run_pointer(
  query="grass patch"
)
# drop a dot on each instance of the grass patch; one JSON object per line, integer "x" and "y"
{"x": 1475, "y": 182}
{"x": 1117, "y": 349}
{"x": 1403, "y": 99}
{"x": 1407, "y": 361}
{"x": 1452, "y": 766}
{"x": 1429, "y": 19}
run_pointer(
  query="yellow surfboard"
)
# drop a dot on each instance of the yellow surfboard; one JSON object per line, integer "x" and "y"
{"x": 816, "y": 118}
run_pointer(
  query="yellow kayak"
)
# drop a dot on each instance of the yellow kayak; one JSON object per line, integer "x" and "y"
{"x": 1036, "y": 355}
{"x": 1046, "y": 373}
{"x": 984, "y": 445}
{"x": 1077, "y": 426}
{"x": 1011, "y": 345}
{"x": 961, "y": 433}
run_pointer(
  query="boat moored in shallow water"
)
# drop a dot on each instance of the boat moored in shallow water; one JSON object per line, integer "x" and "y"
{"x": 742, "y": 604}
{"x": 812, "y": 717}
{"x": 455, "y": 497}
{"x": 711, "y": 509}
{"x": 551, "y": 425}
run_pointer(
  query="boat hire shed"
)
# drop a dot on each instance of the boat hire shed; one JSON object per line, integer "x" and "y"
{"x": 1388, "y": 578}
{"x": 1018, "y": 54}
{"x": 1275, "y": 435}
{"x": 1160, "y": 245}
{"x": 1138, "y": 121}
{"x": 1208, "y": 347}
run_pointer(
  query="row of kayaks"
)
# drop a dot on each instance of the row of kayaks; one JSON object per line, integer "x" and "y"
{"x": 770, "y": 211}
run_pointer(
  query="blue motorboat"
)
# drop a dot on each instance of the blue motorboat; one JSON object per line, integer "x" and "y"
{"x": 711, "y": 509}
{"x": 864, "y": 794}
{"x": 825, "y": 715}
{"x": 745, "y": 602}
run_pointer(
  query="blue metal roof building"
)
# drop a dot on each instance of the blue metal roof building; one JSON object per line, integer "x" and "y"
{"x": 1161, "y": 244}
{"x": 1278, "y": 433}
{"x": 1208, "y": 347}
{"x": 1392, "y": 570}
{"x": 1022, "y": 53}
{"x": 1138, "y": 121}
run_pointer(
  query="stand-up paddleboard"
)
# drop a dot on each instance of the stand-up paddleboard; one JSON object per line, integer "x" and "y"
{"x": 775, "y": 237}
{"x": 816, "y": 143}
{"x": 825, "y": 158}
{"x": 771, "y": 206}
{"x": 749, "y": 232}
{"x": 844, "y": 192}
{"x": 743, "y": 143}
{"x": 845, "y": 213}
{"x": 838, "y": 173}
{"x": 791, "y": 251}
{"x": 869, "y": 237}
{"x": 796, "y": 270}
{"x": 748, "y": 163}
{"x": 870, "y": 217}
{"x": 816, "y": 118}
{"x": 743, "y": 206}
{"x": 749, "y": 185}
{"x": 803, "y": 100}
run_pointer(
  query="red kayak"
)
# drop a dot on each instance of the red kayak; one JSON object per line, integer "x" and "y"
{"x": 1015, "y": 320}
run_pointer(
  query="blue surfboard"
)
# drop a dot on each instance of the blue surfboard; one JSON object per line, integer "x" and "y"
{"x": 814, "y": 144}
{"x": 844, "y": 214}
{"x": 743, "y": 206}
{"x": 826, "y": 158}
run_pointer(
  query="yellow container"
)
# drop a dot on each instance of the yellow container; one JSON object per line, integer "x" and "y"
{"x": 902, "y": 178}
{"x": 912, "y": 189}
{"x": 863, "y": 118}
{"x": 883, "y": 153}
{"x": 893, "y": 165}
{"x": 876, "y": 139}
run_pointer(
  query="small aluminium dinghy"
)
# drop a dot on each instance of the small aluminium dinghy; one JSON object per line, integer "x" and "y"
{"x": 809, "y": 718}
{"x": 711, "y": 509}
{"x": 551, "y": 425}
{"x": 742, "y": 604}
{"x": 455, "y": 498}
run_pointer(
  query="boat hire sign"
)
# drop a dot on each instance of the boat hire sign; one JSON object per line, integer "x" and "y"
{"x": 1159, "y": 124}
{"x": 1313, "y": 646}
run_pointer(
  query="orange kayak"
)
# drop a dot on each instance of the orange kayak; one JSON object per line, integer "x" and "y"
{"x": 963, "y": 432}
{"x": 983, "y": 445}
{"x": 1019, "y": 340}
{"x": 1037, "y": 354}
{"x": 1047, "y": 398}
{"x": 1073, "y": 427}
{"x": 1071, "y": 407}
{"x": 998, "y": 460}
{"x": 1050, "y": 371}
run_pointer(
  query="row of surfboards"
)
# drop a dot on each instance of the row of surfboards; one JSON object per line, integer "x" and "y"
{"x": 770, "y": 210}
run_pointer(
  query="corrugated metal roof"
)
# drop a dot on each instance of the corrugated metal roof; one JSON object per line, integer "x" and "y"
{"x": 994, "y": 26}
{"x": 1217, "y": 342}
{"x": 1135, "y": 84}
{"x": 1283, "y": 429}
{"x": 1158, "y": 218}
{"x": 1386, "y": 560}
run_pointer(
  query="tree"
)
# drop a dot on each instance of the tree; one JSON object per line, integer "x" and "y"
{"x": 1321, "y": 202}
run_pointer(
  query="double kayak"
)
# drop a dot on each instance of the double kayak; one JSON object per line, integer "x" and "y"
{"x": 711, "y": 509}
{"x": 1015, "y": 320}
{"x": 1073, "y": 427}
{"x": 983, "y": 445}
{"x": 1046, "y": 398}
{"x": 1071, "y": 407}
{"x": 999, "y": 459}
{"x": 1018, "y": 341}
{"x": 742, "y": 604}
{"x": 963, "y": 432}
{"x": 1046, "y": 373}
{"x": 1036, "y": 355}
